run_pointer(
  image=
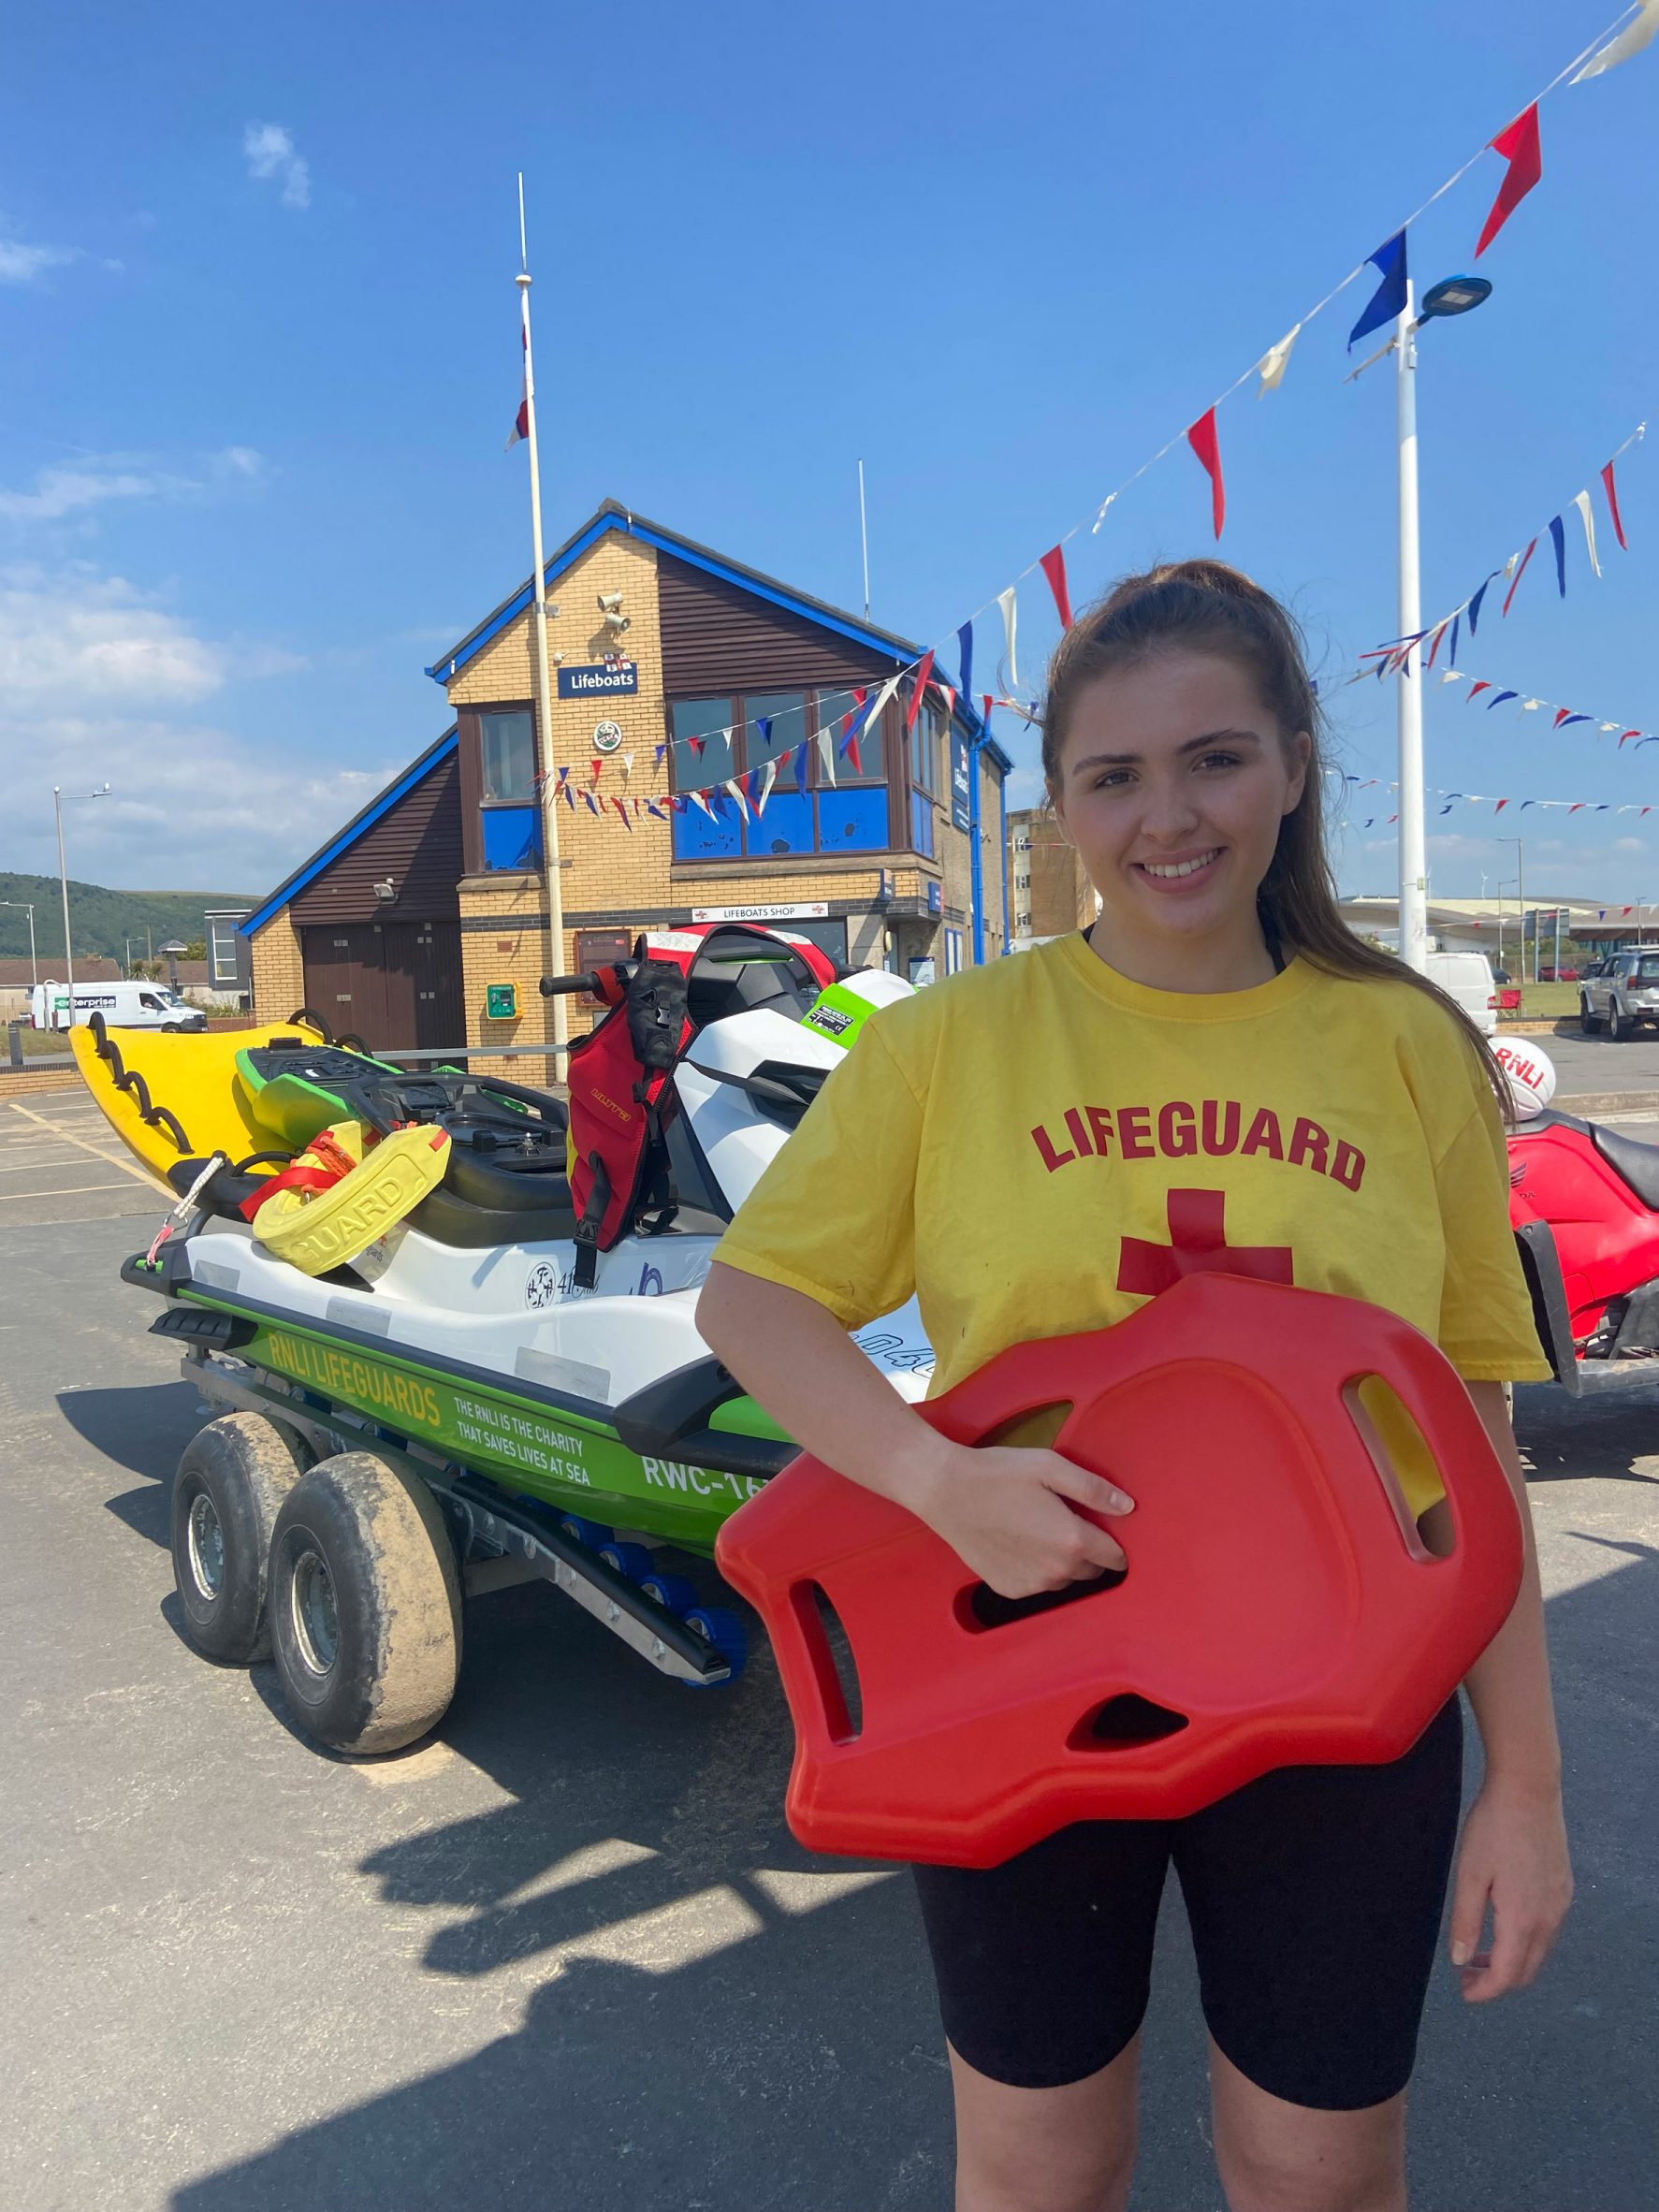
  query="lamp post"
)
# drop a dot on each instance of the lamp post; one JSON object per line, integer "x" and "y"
{"x": 24, "y": 907}
{"x": 1502, "y": 886}
{"x": 57, "y": 807}
{"x": 1452, "y": 295}
{"x": 1520, "y": 845}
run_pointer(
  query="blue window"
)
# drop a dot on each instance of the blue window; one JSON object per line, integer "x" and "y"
{"x": 713, "y": 741}
{"x": 509, "y": 821}
{"x": 511, "y": 837}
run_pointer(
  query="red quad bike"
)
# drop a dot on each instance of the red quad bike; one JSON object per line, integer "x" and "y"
{"x": 1584, "y": 1206}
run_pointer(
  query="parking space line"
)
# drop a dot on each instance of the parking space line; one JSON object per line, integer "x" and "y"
{"x": 21, "y": 1198}
{"x": 32, "y": 1167}
{"x": 68, "y": 1137}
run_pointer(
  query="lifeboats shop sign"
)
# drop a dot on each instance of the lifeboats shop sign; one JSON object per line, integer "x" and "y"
{"x": 606, "y": 680}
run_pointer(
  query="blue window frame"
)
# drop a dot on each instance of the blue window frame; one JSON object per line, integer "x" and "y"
{"x": 509, "y": 820}
{"x": 715, "y": 740}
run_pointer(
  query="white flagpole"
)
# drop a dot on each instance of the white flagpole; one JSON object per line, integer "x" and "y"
{"x": 550, "y": 806}
{"x": 864, "y": 539}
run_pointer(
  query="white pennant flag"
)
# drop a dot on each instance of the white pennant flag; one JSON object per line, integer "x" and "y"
{"x": 1102, "y": 516}
{"x": 627, "y": 768}
{"x": 1606, "y": 728}
{"x": 1582, "y": 500}
{"x": 1448, "y": 676}
{"x": 700, "y": 798}
{"x": 1630, "y": 41}
{"x": 826, "y": 753}
{"x": 1005, "y": 600}
{"x": 872, "y": 721}
{"x": 1273, "y": 363}
{"x": 736, "y": 789}
{"x": 767, "y": 780}
{"x": 1531, "y": 705}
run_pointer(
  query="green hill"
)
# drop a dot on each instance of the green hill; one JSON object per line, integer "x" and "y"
{"x": 100, "y": 919}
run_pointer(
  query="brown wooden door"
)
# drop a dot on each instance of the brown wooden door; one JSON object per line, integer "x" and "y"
{"x": 344, "y": 981}
{"x": 428, "y": 952}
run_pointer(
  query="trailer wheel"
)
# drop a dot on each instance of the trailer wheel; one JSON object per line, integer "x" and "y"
{"x": 365, "y": 1606}
{"x": 227, "y": 1495}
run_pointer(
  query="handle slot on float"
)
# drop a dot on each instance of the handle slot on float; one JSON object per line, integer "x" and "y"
{"x": 1124, "y": 1723}
{"x": 835, "y": 1665}
{"x": 1388, "y": 1473}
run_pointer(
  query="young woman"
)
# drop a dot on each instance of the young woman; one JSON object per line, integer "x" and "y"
{"x": 1217, "y": 1074}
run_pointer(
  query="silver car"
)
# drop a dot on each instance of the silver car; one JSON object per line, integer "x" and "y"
{"x": 1619, "y": 993}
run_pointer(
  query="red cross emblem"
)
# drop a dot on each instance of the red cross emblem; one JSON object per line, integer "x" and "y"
{"x": 1198, "y": 1245}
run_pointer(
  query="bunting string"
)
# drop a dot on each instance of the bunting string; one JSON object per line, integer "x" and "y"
{"x": 1473, "y": 798}
{"x": 1562, "y": 718}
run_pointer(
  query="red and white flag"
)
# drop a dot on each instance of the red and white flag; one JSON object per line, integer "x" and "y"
{"x": 522, "y": 420}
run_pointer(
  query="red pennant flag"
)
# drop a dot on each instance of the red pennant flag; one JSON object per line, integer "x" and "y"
{"x": 1628, "y": 733}
{"x": 1202, "y": 438}
{"x": 1561, "y": 715}
{"x": 621, "y": 807}
{"x": 1053, "y": 565}
{"x": 1518, "y": 573}
{"x": 924, "y": 670}
{"x": 1573, "y": 809}
{"x": 1519, "y": 145}
{"x": 522, "y": 420}
{"x": 1607, "y": 478}
{"x": 1475, "y": 690}
{"x": 697, "y": 744}
{"x": 1501, "y": 805}
{"x": 849, "y": 735}
{"x": 1434, "y": 647}
{"x": 596, "y": 769}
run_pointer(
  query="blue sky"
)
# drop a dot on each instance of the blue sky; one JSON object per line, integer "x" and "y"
{"x": 258, "y": 357}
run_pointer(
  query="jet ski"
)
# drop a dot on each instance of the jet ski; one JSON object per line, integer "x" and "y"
{"x": 520, "y": 1342}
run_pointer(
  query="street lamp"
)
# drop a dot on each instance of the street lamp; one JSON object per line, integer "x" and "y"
{"x": 57, "y": 806}
{"x": 172, "y": 955}
{"x": 25, "y": 908}
{"x": 1520, "y": 845}
{"x": 1452, "y": 295}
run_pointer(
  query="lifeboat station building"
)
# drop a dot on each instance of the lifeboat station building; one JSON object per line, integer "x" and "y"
{"x": 423, "y": 923}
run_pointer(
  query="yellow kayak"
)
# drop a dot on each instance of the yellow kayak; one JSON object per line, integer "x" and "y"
{"x": 175, "y": 1097}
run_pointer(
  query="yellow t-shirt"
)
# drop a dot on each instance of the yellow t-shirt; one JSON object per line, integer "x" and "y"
{"x": 1039, "y": 1146}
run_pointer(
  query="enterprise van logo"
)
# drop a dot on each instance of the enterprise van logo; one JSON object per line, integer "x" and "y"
{"x": 599, "y": 677}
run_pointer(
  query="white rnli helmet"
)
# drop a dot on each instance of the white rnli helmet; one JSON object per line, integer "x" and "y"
{"x": 1530, "y": 1073}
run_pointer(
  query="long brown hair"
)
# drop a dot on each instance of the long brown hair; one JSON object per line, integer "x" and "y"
{"x": 1205, "y": 606}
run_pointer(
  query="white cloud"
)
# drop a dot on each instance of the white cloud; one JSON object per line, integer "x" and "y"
{"x": 22, "y": 265}
{"x": 77, "y": 487}
{"x": 188, "y": 806}
{"x": 78, "y": 638}
{"x": 270, "y": 156}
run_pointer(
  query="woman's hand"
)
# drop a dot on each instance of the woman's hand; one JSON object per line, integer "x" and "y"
{"x": 1007, "y": 1512}
{"x": 1514, "y": 1858}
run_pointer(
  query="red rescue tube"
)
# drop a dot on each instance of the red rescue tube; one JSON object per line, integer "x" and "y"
{"x": 1278, "y": 1608}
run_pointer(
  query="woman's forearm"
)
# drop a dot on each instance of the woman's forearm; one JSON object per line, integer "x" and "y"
{"x": 794, "y": 1359}
{"x": 1508, "y": 1685}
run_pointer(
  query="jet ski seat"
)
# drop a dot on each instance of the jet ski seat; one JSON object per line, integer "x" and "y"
{"x": 1636, "y": 1165}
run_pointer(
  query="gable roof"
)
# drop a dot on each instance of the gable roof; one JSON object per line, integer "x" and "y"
{"x": 381, "y": 804}
{"x": 610, "y": 516}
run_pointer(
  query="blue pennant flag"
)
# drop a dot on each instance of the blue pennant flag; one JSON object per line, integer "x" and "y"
{"x": 964, "y": 689}
{"x": 763, "y": 722}
{"x": 1498, "y": 698}
{"x": 1451, "y": 657}
{"x": 1559, "y": 535}
{"x": 1475, "y": 603}
{"x": 1389, "y": 300}
{"x": 801, "y": 767}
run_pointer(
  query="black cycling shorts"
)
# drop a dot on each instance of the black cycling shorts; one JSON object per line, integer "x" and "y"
{"x": 1313, "y": 1895}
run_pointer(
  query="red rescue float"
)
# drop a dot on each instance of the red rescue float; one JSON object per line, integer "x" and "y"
{"x": 1279, "y": 1608}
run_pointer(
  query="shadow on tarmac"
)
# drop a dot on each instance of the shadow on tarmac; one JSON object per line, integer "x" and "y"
{"x": 729, "y": 2024}
{"x": 702, "y": 2041}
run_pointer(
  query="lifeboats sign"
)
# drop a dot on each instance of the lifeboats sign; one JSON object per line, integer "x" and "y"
{"x": 817, "y": 911}
{"x": 604, "y": 679}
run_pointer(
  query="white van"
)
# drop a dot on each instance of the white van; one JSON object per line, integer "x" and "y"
{"x": 122, "y": 1005}
{"x": 1467, "y": 977}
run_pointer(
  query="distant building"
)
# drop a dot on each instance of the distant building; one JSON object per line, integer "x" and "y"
{"x": 424, "y": 922}
{"x": 1050, "y": 892}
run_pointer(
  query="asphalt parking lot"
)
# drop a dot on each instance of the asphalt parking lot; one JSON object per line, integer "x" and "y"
{"x": 565, "y": 1954}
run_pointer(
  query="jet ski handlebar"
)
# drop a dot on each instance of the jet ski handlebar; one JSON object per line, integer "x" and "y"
{"x": 607, "y": 984}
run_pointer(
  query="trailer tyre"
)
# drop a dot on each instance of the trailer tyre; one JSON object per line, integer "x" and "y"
{"x": 230, "y": 1489}
{"x": 365, "y": 1606}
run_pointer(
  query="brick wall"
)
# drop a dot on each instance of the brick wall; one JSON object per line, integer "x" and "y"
{"x": 279, "y": 972}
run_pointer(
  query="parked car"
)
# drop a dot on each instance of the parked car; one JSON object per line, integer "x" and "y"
{"x": 1558, "y": 975}
{"x": 1620, "y": 994}
{"x": 122, "y": 1005}
{"x": 1467, "y": 977}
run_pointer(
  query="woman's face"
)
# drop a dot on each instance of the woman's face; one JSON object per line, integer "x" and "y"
{"x": 1173, "y": 784}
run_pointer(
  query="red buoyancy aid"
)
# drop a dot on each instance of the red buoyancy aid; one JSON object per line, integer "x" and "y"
{"x": 622, "y": 1082}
